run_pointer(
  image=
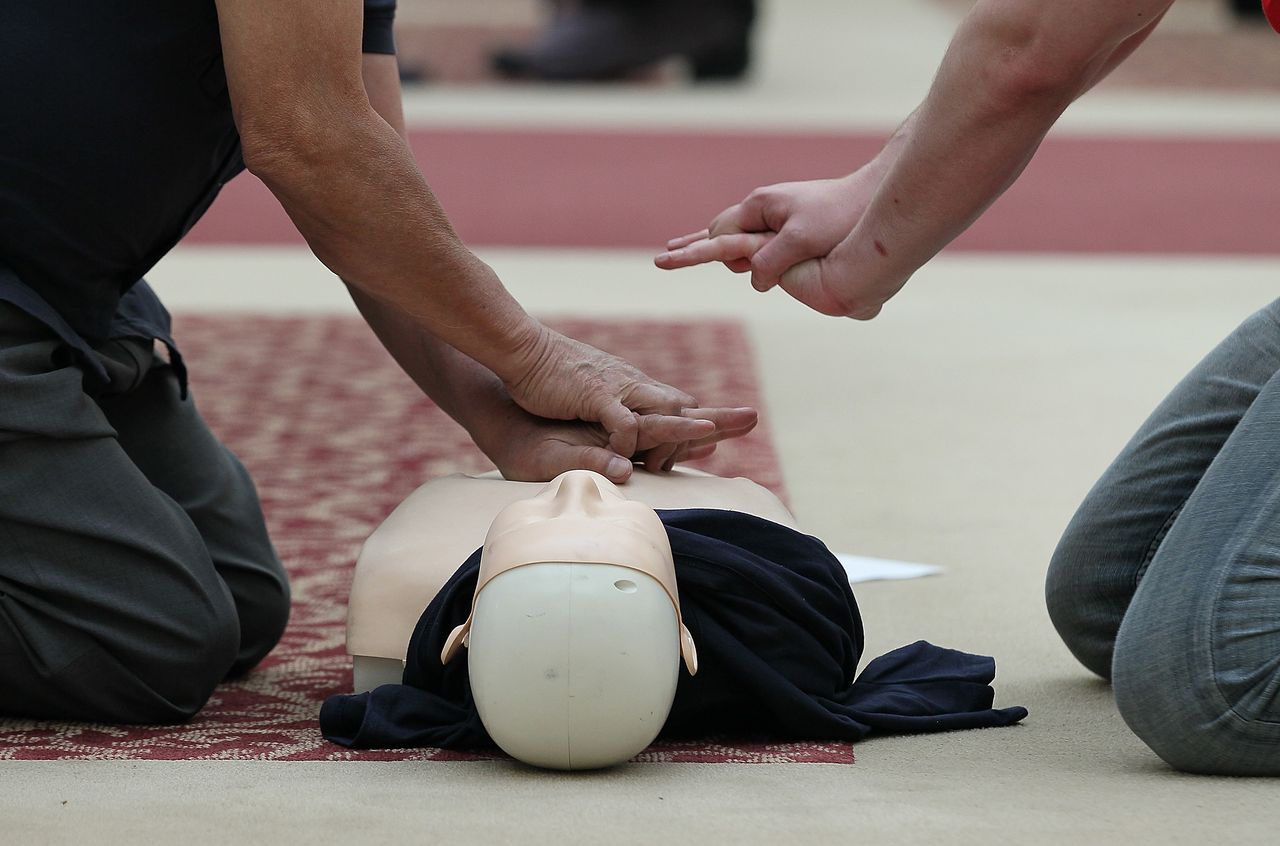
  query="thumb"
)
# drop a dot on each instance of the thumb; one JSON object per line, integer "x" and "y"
{"x": 804, "y": 281}
{"x": 775, "y": 258}
{"x": 622, "y": 425}
{"x": 561, "y": 457}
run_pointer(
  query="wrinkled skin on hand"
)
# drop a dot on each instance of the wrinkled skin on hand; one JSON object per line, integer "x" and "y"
{"x": 567, "y": 380}
{"x": 527, "y": 448}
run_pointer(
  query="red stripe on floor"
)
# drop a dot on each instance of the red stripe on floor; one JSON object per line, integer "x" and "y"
{"x": 636, "y": 189}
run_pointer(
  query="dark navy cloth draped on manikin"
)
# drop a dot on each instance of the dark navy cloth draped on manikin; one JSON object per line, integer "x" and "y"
{"x": 779, "y": 638}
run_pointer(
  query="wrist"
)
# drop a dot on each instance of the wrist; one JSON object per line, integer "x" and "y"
{"x": 491, "y": 425}
{"x": 520, "y": 345}
{"x": 531, "y": 345}
{"x": 483, "y": 320}
{"x": 863, "y": 273}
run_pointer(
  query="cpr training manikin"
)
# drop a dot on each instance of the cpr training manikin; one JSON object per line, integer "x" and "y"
{"x": 575, "y": 632}
{"x": 566, "y": 641}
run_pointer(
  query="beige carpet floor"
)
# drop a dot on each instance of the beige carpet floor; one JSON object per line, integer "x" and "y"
{"x": 961, "y": 428}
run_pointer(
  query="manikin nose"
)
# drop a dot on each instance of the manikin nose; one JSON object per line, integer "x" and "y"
{"x": 580, "y": 492}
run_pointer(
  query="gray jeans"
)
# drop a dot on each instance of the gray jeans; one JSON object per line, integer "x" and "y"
{"x": 135, "y": 568}
{"x": 1167, "y": 580}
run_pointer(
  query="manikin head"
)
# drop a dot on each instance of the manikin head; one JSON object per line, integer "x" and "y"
{"x": 575, "y": 635}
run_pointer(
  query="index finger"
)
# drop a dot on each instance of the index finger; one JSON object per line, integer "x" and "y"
{"x": 729, "y": 422}
{"x": 659, "y": 429}
{"x": 746, "y": 216}
{"x": 686, "y": 240}
{"x": 725, "y": 248}
{"x": 710, "y": 426}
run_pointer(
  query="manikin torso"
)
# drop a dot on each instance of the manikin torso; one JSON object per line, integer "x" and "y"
{"x": 576, "y": 575}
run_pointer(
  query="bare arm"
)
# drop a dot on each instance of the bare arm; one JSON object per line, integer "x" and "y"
{"x": 523, "y": 447}
{"x": 1012, "y": 68}
{"x": 349, "y": 182}
{"x": 449, "y": 377}
{"x": 462, "y": 387}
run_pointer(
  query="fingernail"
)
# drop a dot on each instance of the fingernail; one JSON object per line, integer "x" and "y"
{"x": 618, "y": 467}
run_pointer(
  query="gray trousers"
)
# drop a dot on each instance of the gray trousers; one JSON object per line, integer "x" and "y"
{"x": 1167, "y": 581}
{"x": 135, "y": 568}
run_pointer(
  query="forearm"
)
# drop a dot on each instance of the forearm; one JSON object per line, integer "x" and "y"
{"x": 358, "y": 198}
{"x": 308, "y": 128}
{"x": 1012, "y": 69}
{"x": 463, "y": 388}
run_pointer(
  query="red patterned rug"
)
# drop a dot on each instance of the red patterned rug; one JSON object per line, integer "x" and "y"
{"x": 336, "y": 436}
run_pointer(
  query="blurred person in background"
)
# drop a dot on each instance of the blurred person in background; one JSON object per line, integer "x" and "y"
{"x": 1167, "y": 580}
{"x": 591, "y": 40}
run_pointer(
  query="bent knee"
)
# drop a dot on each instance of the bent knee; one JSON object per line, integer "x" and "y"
{"x": 184, "y": 680}
{"x": 1181, "y": 713}
{"x": 115, "y": 675}
{"x": 1073, "y": 609}
{"x": 264, "y": 614}
{"x": 171, "y": 681}
{"x": 1195, "y": 740}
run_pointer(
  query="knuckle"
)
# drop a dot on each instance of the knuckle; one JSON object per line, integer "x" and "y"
{"x": 720, "y": 227}
{"x": 770, "y": 191}
{"x": 798, "y": 236}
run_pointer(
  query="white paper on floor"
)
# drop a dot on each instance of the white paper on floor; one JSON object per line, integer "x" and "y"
{"x": 863, "y": 569}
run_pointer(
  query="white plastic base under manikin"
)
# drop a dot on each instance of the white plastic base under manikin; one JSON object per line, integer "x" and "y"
{"x": 369, "y": 672}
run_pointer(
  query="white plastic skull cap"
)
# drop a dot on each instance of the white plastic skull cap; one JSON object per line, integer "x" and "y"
{"x": 578, "y": 517}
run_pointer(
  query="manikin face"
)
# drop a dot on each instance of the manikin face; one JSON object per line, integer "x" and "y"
{"x": 580, "y": 517}
{"x": 574, "y": 634}
{"x": 580, "y": 495}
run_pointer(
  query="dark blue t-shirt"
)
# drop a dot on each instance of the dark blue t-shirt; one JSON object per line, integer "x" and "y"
{"x": 116, "y": 134}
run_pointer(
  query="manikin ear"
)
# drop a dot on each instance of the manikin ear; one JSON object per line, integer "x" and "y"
{"x": 457, "y": 638}
{"x": 688, "y": 650}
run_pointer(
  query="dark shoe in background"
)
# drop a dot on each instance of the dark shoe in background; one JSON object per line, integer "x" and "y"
{"x": 1247, "y": 9}
{"x": 612, "y": 39}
